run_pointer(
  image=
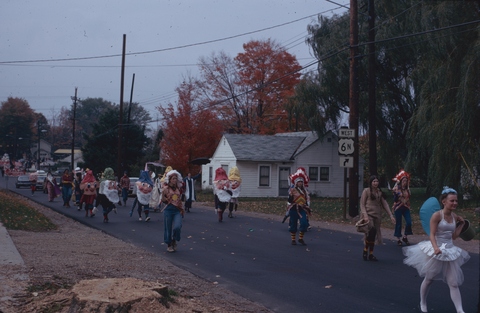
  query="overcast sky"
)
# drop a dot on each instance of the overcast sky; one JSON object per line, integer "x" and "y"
{"x": 92, "y": 29}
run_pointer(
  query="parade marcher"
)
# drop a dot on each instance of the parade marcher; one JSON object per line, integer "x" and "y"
{"x": 222, "y": 191}
{"x": 33, "y": 182}
{"x": 125, "y": 185}
{"x": 173, "y": 212}
{"x": 89, "y": 192}
{"x": 235, "y": 182}
{"x": 67, "y": 184}
{"x": 372, "y": 203}
{"x": 298, "y": 206}
{"x": 156, "y": 196}
{"x": 77, "y": 190}
{"x": 189, "y": 187}
{"x": 144, "y": 192}
{"x": 108, "y": 193}
{"x": 401, "y": 206}
{"x": 438, "y": 258}
{"x": 51, "y": 185}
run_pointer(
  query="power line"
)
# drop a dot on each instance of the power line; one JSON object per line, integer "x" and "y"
{"x": 165, "y": 49}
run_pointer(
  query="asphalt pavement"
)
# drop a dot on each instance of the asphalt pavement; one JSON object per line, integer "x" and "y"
{"x": 253, "y": 257}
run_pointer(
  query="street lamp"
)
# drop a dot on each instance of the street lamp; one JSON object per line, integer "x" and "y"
{"x": 39, "y": 131}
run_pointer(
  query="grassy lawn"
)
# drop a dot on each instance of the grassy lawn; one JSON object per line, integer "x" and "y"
{"x": 17, "y": 214}
{"x": 331, "y": 209}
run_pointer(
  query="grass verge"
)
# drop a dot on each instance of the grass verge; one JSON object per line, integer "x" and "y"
{"x": 17, "y": 214}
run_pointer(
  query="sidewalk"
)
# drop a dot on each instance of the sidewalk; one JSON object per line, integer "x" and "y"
{"x": 12, "y": 268}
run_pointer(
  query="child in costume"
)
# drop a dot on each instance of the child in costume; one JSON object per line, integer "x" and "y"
{"x": 222, "y": 191}
{"x": 173, "y": 212}
{"x": 235, "y": 182}
{"x": 438, "y": 258}
{"x": 401, "y": 206}
{"x": 298, "y": 206}
{"x": 144, "y": 192}
{"x": 89, "y": 192}
{"x": 108, "y": 193}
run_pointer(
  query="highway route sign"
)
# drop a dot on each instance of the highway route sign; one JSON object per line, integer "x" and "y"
{"x": 345, "y": 146}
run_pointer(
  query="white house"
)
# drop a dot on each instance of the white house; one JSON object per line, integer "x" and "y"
{"x": 266, "y": 161}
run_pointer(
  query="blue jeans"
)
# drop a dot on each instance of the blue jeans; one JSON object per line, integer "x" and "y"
{"x": 66, "y": 193}
{"x": 403, "y": 211}
{"x": 294, "y": 218}
{"x": 173, "y": 224}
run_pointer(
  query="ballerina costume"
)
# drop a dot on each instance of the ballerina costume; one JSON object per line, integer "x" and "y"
{"x": 443, "y": 266}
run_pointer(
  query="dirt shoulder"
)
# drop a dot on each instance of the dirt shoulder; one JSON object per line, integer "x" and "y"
{"x": 55, "y": 261}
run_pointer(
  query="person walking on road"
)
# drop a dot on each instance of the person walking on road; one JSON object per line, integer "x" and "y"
{"x": 144, "y": 192}
{"x": 89, "y": 192}
{"x": 235, "y": 182}
{"x": 173, "y": 212}
{"x": 438, "y": 258}
{"x": 108, "y": 193}
{"x": 189, "y": 186}
{"x": 51, "y": 186}
{"x": 298, "y": 206}
{"x": 67, "y": 184}
{"x": 222, "y": 191}
{"x": 125, "y": 185}
{"x": 77, "y": 190}
{"x": 372, "y": 203}
{"x": 401, "y": 207}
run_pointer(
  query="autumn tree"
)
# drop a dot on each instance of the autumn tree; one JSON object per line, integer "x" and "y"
{"x": 18, "y": 129}
{"x": 250, "y": 92}
{"x": 190, "y": 130}
{"x": 271, "y": 73}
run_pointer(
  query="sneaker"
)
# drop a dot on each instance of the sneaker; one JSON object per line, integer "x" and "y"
{"x": 230, "y": 215}
{"x": 170, "y": 248}
{"x": 147, "y": 218}
{"x": 140, "y": 219}
{"x": 300, "y": 241}
{"x": 78, "y": 208}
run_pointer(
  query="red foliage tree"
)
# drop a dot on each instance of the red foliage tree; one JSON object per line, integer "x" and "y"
{"x": 271, "y": 73}
{"x": 190, "y": 130}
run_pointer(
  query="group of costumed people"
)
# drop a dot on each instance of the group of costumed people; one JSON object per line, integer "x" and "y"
{"x": 226, "y": 190}
{"x": 434, "y": 259}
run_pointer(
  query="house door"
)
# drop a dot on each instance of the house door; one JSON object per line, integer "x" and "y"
{"x": 283, "y": 181}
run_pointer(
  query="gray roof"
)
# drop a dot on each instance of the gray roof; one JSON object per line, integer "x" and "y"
{"x": 264, "y": 147}
{"x": 310, "y": 137}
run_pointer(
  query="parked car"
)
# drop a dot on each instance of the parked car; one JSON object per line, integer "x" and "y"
{"x": 133, "y": 180}
{"x": 23, "y": 181}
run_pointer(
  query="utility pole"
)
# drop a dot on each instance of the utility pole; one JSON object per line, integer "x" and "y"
{"x": 73, "y": 128}
{"x": 120, "y": 115}
{"x": 372, "y": 99}
{"x": 131, "y": 97}
{"x": 353, "y": 105}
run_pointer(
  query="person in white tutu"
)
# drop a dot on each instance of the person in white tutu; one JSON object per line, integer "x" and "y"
{"x": 438, "y": 258}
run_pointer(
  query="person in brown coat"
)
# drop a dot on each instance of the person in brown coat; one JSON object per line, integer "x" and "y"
{"x": 372, "y": 203}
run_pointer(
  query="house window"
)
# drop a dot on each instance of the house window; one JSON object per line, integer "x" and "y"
{"x": 313, "y": 173}
{"x": 324, "y": 174}
{"x": 225, "y": 168}
{"x": 264, "y": 177}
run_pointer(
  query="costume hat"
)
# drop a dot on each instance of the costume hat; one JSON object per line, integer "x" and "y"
{"x": 171, "y": 173}
{"x": 108, "y": 174}
{"x": 88, "y": 177}
{"x": 234, "y": 174}
{"x": 220, "y": 174}
{"x": 145, "y": 178}
{"x": 401, "y": 175}
{"x": 300, "y": 175}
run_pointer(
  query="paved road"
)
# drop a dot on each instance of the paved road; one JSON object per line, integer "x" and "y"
{"x": 253, "y": 257}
